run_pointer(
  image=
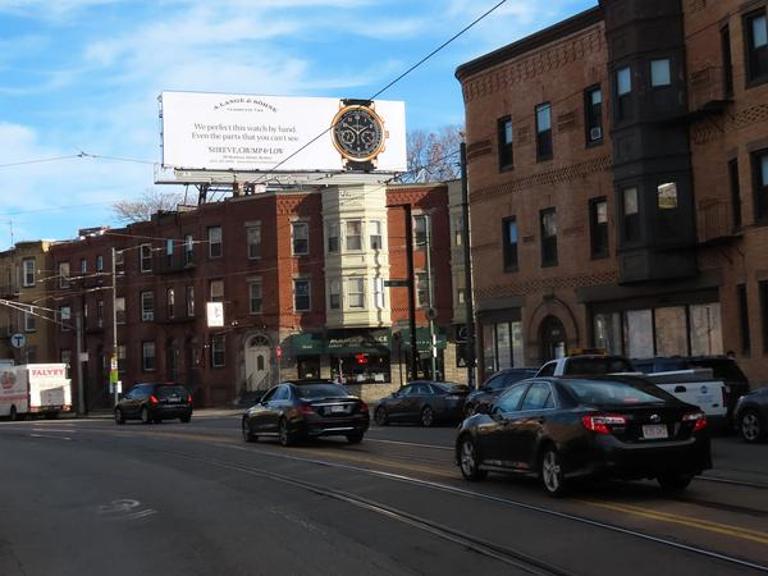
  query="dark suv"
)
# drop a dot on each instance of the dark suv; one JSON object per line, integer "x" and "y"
{"x": 154, "y": 403}
{"x": 723, "y": 368}
{"x": 493, "y": 386}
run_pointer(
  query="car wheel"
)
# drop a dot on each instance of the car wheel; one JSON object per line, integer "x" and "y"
{"x": 674, "y": 483}
{"x": 750, "y": 426}
{"x": 551, "y": 472}
{"x": 469, "y": 460}
{"x": 427, "y": 417}
{"x": 285, "y": 437}
{"x": 354, "y": 438}
{"x": 119, "y": 416}
{"x": 186, "y": 419}
{"x": 145, "y": 419}
{"x": 247, "y": 435}
{"x": 380, "y": 416}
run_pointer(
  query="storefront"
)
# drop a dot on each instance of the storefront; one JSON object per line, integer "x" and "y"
{"x": 501, "y": 336}
{"x": 401, "y": 342}
{"x": 360, "y": 356}
{"x": 308, "y": 349}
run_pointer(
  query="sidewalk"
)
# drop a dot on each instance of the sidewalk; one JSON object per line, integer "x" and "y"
{"x": 107, "y": 414}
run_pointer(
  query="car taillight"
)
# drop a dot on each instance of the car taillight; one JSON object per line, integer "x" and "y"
{"x": 306, "y": 409}
{"x": 363, "y": 408}
{"x": 189, "y": 398}
{"x": 699, "y": 419}
{"x": 153, "y": 399}
{"x": 602, "y": 423}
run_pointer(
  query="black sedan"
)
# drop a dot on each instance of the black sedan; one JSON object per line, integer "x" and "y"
{"x": 154, "y": 402}
{"x": 559, "y": 429}
{"x": 493, "y": 386}
{"x": 306, "y": 409}
{"x": 751, "y": 416}
{"x": 423, "y": 402}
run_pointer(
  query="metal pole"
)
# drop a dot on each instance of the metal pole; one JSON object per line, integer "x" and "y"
{"x": 468, "y": 299}
{"x": 113, "y": 362}
{"x": 411, "y": 291}
{"x": 79, "y": 347}
{"x": 430, "y": 301}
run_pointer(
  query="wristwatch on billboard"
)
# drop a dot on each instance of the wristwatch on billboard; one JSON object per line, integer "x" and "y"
{"x": 358, "y": 134}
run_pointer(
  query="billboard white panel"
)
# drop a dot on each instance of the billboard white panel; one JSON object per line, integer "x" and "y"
{"x": 207, "y": 131}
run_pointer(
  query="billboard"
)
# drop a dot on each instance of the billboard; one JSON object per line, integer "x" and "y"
{"x": 241, "y": 132}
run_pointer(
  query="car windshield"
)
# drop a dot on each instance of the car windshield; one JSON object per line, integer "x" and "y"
{"x": 616, "y": 392}
{"x": 168, "y": 391}
{"x": 310, "y": 391}
{"x": 449, "y": 387}
{"x": 607, "y": 365}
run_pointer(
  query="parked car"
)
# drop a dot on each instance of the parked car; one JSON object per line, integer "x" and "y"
{"x": 751, "y": 416}
{"x": 423, "y": 402}
{"x": 723, "y": 368}
{"x": 564, "y": 428}
{"x": 153, "y": 402}
{"x": 493, "y": 386}
{"x": 302, "y": 409}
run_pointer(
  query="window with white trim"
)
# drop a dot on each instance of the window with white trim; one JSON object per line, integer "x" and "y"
{"x": 215, "y": 249}
{"x": 253, "y": 239}
{"x": 300, "y": 238}
{"x": 376, "y": 238}
{"x": 29, "y": 270}
{"x": 145, "y": 258}
{"x": 354, "y": 235}
{"x": 255, "y": 297}
{"x": 148, "y": 356}
{"x": 356, "y": 292}
{"x": 147, "y": 306}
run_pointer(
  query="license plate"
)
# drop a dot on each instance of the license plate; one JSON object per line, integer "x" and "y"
{"x": 337, "y": 409}
{"x": 655, "y": 431}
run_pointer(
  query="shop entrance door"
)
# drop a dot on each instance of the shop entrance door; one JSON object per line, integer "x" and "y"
{"x": 552, "y": 338}
{"x": 258, "y": 372}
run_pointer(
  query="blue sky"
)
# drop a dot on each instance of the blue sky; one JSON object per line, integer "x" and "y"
{"x": 84, "y": 75}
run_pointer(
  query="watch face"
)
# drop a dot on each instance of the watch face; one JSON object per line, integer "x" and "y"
{"x": 358, "y": 133}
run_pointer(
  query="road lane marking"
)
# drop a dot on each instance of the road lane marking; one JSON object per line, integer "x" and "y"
{"x": 416, "y": 444}
{"x": 47, "y": 436}
{"x": 691, "y": 522}
{"x": 53, "y": 430}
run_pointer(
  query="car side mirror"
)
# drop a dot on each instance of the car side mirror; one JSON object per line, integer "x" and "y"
{"x": 483, "y": 409}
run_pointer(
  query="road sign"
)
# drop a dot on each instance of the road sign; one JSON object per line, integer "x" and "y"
{"x": 18, "y": 340}
{"x": 396, "y": 283}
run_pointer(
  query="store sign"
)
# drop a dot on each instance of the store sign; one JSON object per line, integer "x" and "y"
{"x": 345, "y": 343}
{"x": 204, "y": 131}
{"x": 215, "y": 314}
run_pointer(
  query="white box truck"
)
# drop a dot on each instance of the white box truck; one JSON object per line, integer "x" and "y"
{"x": 35, "y": 389}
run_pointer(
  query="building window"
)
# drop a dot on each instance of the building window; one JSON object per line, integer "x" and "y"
{"x": 422, "y": 290}
{"x": 119, "y": 261}
{"x": 300, "y": 236}
{"x": 509, "y": 243}
{"x": 100, "y": 313}
{"x": 598, "y": 227}
{"x": 215, "y": 248}
{"x": 65, "y": 357}
{"x": 169, "y": 252}
{"x": 171, "y": 303}
{"x": 660, "y": 73}
{"x": 333, "y": 237}
{"x": 147, "y": 306}
{"x": 725, "y": 47}
{"x": 593, "y": 115}
{"x": 189, "y": 249}
{"x": 733, "y": 177}
{"x": 505, "y": 143}
{"x": 756, "y": 27}
{"x": 254, "y": 296}
{"x": 190, "y": 301}
{"x": 121, "y": 358}
{"x": 216, "y": 291}
{"x": 666, "y": 196}
{"x": 65, "y": 317}
{"x": 29, "y": 266}
{"x": 623, "y": 91}
{"x": 458, "y": 230}
{"x": 63, "y": 274}
{"x": 461, "y": 296}
{"x": 543, "y": 132}
{"x": 217, "y": 351}
{"x": 253, "y": 238}
{"x": 354, "y": 239}
{"x": 334, "y": 294}
{"x": 420, "y": 230}
{"x": 356, "y": 292}
{"x": 631, "y": 214}
{"x": 548, "y": 237}
{"x": 99, "y": 263}
{"x": 746, "y": 340}
{"x": 376, "y": 240}
{"x": 120, "y": 309}
{"x": 145, "y": 258}
{"x": 148, "y": 356}
{"x": 378, "y": 293}
{"x": 83, "y": 265}
{"x": 302, "y": 300}
{"x": 763, "y": 286}
{"x": 30, "y": 325}
{"x": 760, "y": 177}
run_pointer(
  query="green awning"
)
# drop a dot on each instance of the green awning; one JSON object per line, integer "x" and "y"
{"x": 308, "y": 344}
{"x": 344, "y": 342}
{"x": 422, "y": 339}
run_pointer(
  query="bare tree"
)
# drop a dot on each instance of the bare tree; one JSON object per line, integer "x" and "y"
{"x": 433, "y": 156}
{"x": 148, "y": 203}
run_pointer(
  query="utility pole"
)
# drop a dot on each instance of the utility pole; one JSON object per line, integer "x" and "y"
{"x": 468, "y": 298}
{"x": 411, "y": 291}
{"x": 430, "y": 300}
{"x": 79, "y": 348}
{"x": 113, "y": 374}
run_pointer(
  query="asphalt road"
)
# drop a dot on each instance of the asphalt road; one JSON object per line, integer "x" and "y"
{"x": 88, "y": 497}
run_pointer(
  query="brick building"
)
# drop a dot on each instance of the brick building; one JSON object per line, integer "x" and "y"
{"x": 622, "y": 157}
{"x": 304, "y": 281}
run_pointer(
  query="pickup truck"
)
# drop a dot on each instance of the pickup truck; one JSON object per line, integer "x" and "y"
{"x": 695, "y": 386}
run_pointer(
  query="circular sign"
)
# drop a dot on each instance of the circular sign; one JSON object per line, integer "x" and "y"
{"x": 431, "y": 314}
{"x": 18, "y": 340}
